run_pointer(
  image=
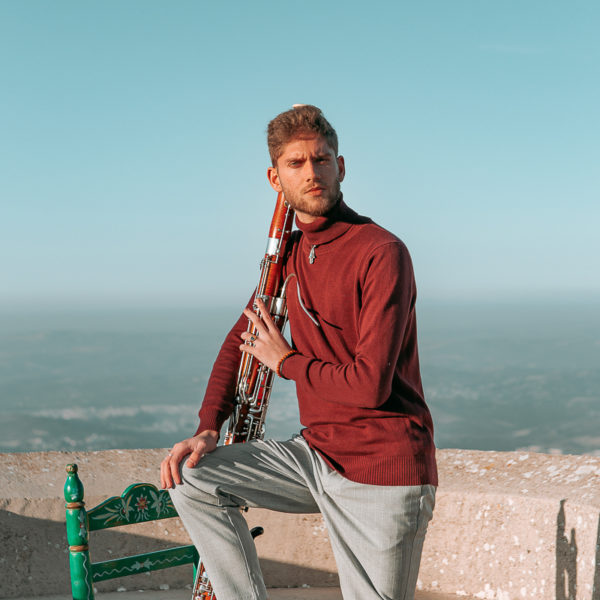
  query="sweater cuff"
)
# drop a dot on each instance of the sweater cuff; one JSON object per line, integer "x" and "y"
{"x": 209, "y": 421}
{"x": 295, "y": 366}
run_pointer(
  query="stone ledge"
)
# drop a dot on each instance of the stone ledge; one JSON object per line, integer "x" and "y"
{"x": 507, "y": 525}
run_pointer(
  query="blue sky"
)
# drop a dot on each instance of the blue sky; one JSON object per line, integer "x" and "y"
{"x": 133, "y": 155}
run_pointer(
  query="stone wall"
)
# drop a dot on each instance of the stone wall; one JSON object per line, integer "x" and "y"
{"x": 507, "y": 525}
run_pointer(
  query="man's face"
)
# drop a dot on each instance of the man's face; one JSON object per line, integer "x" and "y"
{"x": 309, "y": 174}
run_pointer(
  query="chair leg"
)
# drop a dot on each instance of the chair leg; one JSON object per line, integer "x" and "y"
{"x": 77, "y": 537}
{"x": 81, "y": 575}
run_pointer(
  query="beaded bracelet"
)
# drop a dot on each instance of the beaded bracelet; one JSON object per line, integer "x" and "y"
{"x": 287, "y": 355}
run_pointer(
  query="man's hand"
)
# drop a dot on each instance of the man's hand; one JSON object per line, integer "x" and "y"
{"x": 267, "y": 345}
{"x": 196, "y": 447}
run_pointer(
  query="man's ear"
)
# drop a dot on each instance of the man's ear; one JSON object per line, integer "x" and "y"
{"x": 341, "y": 167}
{"x": 273, "y": 178}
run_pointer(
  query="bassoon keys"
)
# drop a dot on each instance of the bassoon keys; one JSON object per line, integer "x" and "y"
{"x": 255, "y": 380}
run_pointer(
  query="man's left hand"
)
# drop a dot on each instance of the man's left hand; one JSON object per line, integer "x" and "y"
{"x": 266, "y": 342}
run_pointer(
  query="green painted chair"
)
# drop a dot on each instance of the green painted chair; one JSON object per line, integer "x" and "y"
{"x": 140, "y": 502}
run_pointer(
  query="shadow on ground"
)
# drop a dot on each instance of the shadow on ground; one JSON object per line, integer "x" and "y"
{"x": 34, "y": 555}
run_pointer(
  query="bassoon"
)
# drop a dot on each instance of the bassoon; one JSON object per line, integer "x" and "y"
{"x": 255, "y": 380}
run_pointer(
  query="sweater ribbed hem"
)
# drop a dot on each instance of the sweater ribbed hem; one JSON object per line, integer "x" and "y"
{"x": 389, "y": 470}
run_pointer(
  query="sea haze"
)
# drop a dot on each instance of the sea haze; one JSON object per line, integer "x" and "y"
{"x": 497, "y": 377}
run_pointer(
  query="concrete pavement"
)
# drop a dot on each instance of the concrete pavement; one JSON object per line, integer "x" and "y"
{"x": 321, "y": 593}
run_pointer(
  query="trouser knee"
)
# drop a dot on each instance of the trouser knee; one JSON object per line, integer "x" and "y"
{"x": 200, "y": 490}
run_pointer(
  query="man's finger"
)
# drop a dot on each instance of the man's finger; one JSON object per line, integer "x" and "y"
{"x": 165, "y": 475}
{"x": 194, "y": 459}
{"x": 256, "y": 321}
{"x": 174, "y": 470}
{"x": 175, "y": 460}
{"x": 248, "y": 349}
{"x": 251, "y": 337}
{"x": 265, "y": 314}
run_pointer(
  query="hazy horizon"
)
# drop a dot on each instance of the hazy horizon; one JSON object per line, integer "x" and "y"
{"x": 237, "y": 300}
{"x": 496, "y": 376}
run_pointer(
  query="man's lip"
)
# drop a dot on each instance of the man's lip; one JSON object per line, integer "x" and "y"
{"x": 316, "y": 188}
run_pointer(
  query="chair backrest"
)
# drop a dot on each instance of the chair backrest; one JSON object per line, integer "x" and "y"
{"x": 140, "y": 502}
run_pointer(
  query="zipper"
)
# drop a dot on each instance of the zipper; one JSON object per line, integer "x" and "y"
{"x": 284, "y": 294}
{"x": 311, "y": 255}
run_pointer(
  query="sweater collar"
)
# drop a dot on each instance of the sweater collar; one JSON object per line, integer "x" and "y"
{"x": 328, "y": 228}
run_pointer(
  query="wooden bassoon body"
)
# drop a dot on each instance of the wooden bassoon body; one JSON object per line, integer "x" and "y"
{"x": 255, "y": 380}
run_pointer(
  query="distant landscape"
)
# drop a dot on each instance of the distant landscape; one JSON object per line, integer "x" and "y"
{"x": 497, "y": 377}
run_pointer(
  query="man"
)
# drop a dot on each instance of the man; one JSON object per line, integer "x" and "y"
{"x": 366, "y": 458}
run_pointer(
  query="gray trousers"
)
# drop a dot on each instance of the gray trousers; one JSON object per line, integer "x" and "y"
{"x": 376, "y": 532}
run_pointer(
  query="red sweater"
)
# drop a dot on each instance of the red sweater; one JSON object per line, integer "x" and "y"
{"x": 357, "y": 371}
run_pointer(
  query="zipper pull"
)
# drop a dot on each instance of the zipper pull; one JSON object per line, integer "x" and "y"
{"x": 311, "y": 255}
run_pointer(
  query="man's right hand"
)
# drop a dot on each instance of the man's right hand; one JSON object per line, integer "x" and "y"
{"x": 195, "y": 447}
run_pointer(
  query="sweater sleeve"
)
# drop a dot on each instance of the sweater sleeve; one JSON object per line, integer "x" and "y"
{"x": 220, "y": 390}
{"x": 386, "y": 337}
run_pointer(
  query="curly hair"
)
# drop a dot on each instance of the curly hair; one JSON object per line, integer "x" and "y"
{"x": 302, "y": 118}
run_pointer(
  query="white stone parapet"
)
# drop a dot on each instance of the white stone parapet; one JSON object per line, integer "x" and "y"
{"x": 507, "y": 526}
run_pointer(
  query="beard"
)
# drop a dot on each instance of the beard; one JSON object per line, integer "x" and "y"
{"x": 316, "y": 206}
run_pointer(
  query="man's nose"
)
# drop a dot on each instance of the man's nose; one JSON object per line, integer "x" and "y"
{"x": 310, "y": 169}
